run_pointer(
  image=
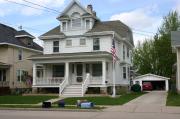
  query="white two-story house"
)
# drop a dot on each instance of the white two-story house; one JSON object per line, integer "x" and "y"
{"x": 77, "y": 53}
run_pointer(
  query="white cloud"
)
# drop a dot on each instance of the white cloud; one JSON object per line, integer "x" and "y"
{"x": 24, "y": 10}
{"x": 141, "y": 20}
{"x": 177, "y": 6}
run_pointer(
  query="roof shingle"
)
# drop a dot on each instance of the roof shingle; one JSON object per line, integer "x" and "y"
{"x": 7, "y": 35}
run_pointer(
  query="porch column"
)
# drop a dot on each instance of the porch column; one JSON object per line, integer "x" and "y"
{"x": 167, "y": 85}
{"x": 34, "y": 74}
{"x": 67, "y": 70}
{"x": 103, "y": 72}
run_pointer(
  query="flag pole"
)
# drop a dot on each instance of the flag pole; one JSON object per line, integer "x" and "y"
{"x": 114, "y": 86}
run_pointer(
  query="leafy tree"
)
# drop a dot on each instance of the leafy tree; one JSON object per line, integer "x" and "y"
{"x": 155, "y": 55}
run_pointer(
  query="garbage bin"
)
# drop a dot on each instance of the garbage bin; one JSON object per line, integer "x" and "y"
{"x": 46, "y": 104}
{"x": 61, "y": 103}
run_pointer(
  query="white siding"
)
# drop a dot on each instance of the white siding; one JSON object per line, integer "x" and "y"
{"x": 105, "y": 45}
{"x": 48, "y": 47}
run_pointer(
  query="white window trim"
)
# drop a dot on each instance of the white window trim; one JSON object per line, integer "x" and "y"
{"x": 21, "y": 54}
{"x": 124, "y": 52}
{"x": 124, "y": 72}
{"x": 21, "y": 70}
{"x": 56, "y": 46}
{"x": 65, "y": 27}
{"x": 99, "y": 44}
{"x": 86, "y": 24}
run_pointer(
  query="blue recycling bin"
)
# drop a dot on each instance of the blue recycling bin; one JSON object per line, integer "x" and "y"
{"x": 87, "y": 105}
{"x": 61, "y": 103}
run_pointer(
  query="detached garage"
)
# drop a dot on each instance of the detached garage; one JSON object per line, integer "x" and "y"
{"x": 157, "y": 82}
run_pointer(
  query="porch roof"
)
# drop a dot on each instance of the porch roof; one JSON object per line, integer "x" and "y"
{"x": 4, "y": 65}
{"x": 98, "y": 54}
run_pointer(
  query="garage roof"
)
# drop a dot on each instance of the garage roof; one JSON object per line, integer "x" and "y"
{"x": 151, "y": 75}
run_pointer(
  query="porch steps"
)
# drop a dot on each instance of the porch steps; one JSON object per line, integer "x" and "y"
{"x": 72, "y": 91}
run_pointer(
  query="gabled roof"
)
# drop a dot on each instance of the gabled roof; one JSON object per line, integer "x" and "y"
{"x": 116, "y": 26}
{"x": 153, "y": 75}
{"x": 23, "y": 33}
{"x": 7, "y": 36}
{"x": 54, "y": 31}
{"x": 69, "y": 7}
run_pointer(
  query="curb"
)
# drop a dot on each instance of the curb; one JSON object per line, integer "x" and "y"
{"x": 51, "y": 109}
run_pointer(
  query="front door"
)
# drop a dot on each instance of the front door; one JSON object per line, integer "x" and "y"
{"x": 79, "y": 73}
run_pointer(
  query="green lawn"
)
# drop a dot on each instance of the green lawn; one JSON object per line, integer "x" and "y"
{"x": 173, "y": 99}
{"x": 105, "y": 100}
{"x": 24, "y": 99}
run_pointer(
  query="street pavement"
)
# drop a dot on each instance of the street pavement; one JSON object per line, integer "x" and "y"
{"x": 9, "y": 114}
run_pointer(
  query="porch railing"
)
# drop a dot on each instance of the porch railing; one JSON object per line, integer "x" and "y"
{"x": 49, "y": 81}
{"x": 63, "y": 85}
{"x": 85, "y": 83}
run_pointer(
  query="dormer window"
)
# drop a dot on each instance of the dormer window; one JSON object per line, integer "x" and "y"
{"x": 76, "y": 20}
{"x": 87, "y": 24}
{"x": 64, "y": 26}
{"x": 29, "y": 43}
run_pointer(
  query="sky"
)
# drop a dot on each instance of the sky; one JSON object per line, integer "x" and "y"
{"x": 142, "y": 16}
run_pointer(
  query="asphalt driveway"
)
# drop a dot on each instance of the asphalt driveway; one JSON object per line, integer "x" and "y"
{"x": 153, "y": 101}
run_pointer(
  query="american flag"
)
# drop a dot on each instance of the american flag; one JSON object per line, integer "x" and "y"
{"x": 113, "y": 51}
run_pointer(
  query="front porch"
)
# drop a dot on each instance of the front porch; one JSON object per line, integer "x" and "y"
{"x": 3, "y": 75}
{"x": 53, "y": 74}
{"x": 72, "y": 73}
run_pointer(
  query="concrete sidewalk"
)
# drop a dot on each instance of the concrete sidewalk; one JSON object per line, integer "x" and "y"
{"x": 152, "y": 102}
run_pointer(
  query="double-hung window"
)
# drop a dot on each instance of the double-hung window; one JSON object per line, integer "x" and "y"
{"x": 64, "y": 26}
{"x": 97, "y": 69}
{"x": 58, "y": 70}
{"x": 20, "y": 54}
{"x": 127, "y": 52}
{"x": 96, "y": 44}
{"x": 68, "y": 42}
{"x": 21, "y": 75}
{"x": 83, "y": 41}
{"x": 124, "y": 73}
{"x": 56, "y": 46}
{"x": 124, "y": 52}
{"x": 87, "y": 24}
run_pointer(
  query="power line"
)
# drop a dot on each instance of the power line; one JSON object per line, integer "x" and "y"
{"x": 53, "y": 11}
{"x": 28, "y": 6}
{"x": 41, "y": 6}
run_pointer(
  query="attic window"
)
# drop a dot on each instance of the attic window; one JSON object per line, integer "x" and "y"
{"x": 76, "y": 20}
{"x": 64, "y": 26}
{"x": 87, "y": 24}
{"x": 29, "y": 43}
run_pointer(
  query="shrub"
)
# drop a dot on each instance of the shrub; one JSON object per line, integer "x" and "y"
{"x": 136, "y": 88}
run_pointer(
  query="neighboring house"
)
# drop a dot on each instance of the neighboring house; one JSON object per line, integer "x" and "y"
{"x": 15, "y": 47}
{"x": 158, "y": 82}
{"x": 175, "y": 42}
{"x": 77, "y": 53}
